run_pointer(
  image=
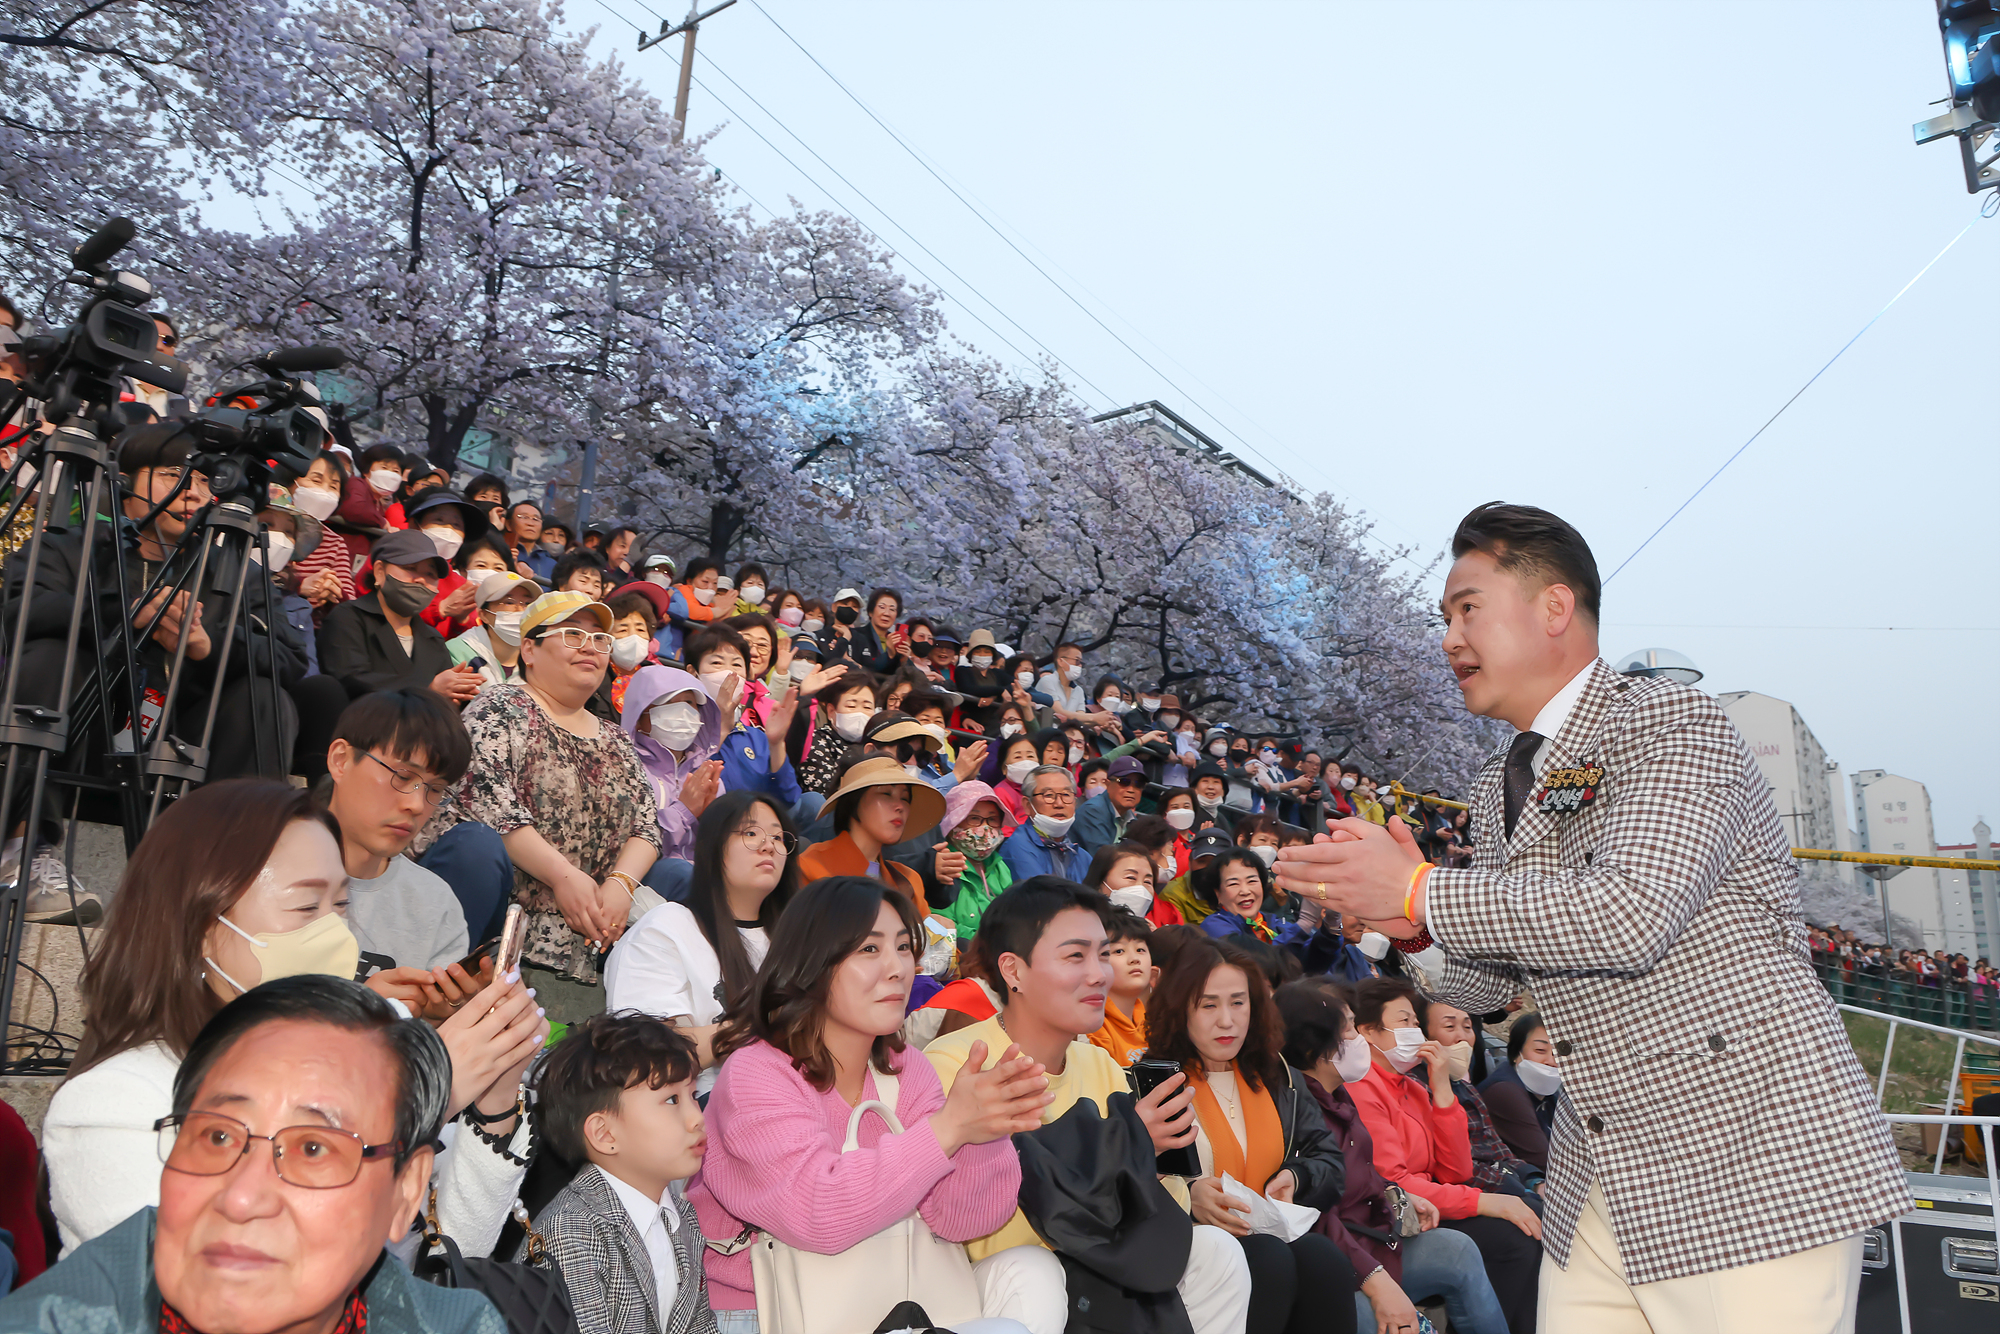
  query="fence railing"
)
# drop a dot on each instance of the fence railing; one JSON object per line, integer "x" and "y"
{"x": 1947, "y": 1004}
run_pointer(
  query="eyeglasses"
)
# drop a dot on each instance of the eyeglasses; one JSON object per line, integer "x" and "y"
{"x": 981, "y": 822}
{"x": 207, "y": 1144}
{"x": 1060, "y": 798}
{"x": 408, "y": 783}
{"x": 761, "y": 840}
{"x": 576, "y": 640}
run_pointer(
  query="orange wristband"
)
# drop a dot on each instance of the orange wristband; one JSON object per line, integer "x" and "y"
{"x": 1417, "y": 878}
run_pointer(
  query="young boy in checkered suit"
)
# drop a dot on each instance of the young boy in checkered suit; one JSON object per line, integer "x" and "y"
{"x": 617, "y": 1093}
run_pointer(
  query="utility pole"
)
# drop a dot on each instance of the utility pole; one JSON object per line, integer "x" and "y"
{"x": 686, "y": 28}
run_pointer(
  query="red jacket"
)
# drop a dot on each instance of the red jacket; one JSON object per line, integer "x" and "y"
{"x": 1422, "y": 1147}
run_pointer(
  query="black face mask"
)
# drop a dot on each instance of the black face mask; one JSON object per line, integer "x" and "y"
{"x": 846, "y": 615}
{"x": 921, "y": 647}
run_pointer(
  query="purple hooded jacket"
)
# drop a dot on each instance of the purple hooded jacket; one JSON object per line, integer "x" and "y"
{"x": 648, "y": 686}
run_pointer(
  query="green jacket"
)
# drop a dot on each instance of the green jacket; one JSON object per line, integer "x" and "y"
{"x": 105, "y": 1286}
{"x": 976, "y": 888}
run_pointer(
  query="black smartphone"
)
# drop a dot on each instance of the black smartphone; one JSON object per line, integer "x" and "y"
{"x": 1146, "y": 1076}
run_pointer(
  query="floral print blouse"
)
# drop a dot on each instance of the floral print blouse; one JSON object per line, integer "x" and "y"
{"x": 585, "y": 795}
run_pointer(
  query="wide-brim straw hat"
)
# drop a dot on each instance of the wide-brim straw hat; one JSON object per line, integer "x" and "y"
{"x": 926, "y": 802}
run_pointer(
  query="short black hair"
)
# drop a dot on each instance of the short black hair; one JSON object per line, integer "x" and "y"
{"x": 558, "y": 526}
{"x": 1124, "y": 924}
{"x": 711, "y": 637}
{"x": 696, "y": 567}
{"x": 918, "y": 700}
{"x": 531, "y": 504}
{"x": 403, "y": 724}
{"x": 878, "y": 594}
{"x": 487, "y": 481}
{"x": 596, "y": 1061}
{"x": 1014, "y": 921}
{"x": 574, "y": 559}
{"x": 1524, "y": 1028}
{"x": 1523, "y": 539}
{"x": 423, "y": 1076}
{"x": 1314, "y": 1010}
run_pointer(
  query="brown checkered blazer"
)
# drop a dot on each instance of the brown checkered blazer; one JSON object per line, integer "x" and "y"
{"x": 1708, "y": 1085}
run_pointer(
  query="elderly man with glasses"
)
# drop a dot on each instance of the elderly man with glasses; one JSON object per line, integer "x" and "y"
{"x": 1042, "y": 845}
{"x": 299, "y": 1144}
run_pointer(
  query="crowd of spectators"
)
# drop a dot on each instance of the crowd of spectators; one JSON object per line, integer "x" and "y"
{"x": 1837, "y": 947}
{"x": 769, "y": 847}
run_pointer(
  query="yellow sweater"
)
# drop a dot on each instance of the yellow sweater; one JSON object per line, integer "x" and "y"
{"x": 1088, "y": 1072}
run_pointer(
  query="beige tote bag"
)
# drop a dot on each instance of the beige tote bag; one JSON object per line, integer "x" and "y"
{"x": 800, "y": 1292}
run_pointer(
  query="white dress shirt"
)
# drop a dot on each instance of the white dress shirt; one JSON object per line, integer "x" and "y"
{"x": 653, "y": 1218}
{"x": 1556, "y": 712}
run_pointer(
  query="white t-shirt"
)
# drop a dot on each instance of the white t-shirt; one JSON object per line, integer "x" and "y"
{"x": 664, "y": 966}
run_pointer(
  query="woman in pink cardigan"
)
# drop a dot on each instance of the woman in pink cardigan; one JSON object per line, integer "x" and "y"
{"x": 821, "y": 1019}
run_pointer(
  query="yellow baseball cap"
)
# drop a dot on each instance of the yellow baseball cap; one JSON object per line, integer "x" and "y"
{"x": 553, "y": 608}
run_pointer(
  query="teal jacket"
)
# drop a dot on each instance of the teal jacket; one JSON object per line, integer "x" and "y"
{"x": 105, "y": 1286}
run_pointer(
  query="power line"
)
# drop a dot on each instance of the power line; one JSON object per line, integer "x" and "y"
{"x": 1219, "y": 421}
{"x": 1025, "y": 358}
{"x": 1984, "y": 212}
{"x": 1070, "y": 296}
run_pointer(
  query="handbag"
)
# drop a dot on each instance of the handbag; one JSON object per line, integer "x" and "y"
{"x": 800, "y": 1292}
{"x": 1403, "y": 1218}
{"x": 532, "y": 1299}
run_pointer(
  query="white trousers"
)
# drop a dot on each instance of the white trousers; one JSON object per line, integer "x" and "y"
{"x": 1025, "y": 1283}
{"x": 1809, "y": 1292}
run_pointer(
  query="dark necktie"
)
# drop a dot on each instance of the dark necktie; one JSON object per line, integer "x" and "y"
{"x": 1519, "y": 776}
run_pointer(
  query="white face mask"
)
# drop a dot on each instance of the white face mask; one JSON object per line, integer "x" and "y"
{"x": 790, "y": 617}
{"x": 1219, "y": 749}
{"x": 1073, "y": 674}
{"x": 1149, "y": 705}
{"x": 703, "y": 595}
{"x": 1373, "y": 944}
{"x": 1347, "y": 783}
{"x": 385, "y": 480}
{"x": 1076, "y": 754}
{"x": 1351, "y": 1060}
{"x": 448, "y": 540}
{"x": 751, "y": 593}
{"x": 937, "y": 731}
{"x": 1010, "y": 730}
{"x": 800, "y": 669}
{"x": 312, "y": 500}
{"x": 982, "y": 660}
{"x": 1163, "y": 874}
{"x": 1268, "y": 756}
{"x": 812, "y": 625}
{"x": 675, "y": 725}
{"x": 851, "y": 725}
{"x": 1404, "y": 1056}
{"x": 661, "y": 579}
{"x": 1049, "y": 826}
{"x": 507, "y": 626}
{"x": 1264, "y": 853}
{"x": 628, "y": 651}
{"x": 1024, "y": 679}
{"x": 1114, "y": 705}
{"x": 1018, "y": 773}
{"x": 1136, "y": 899}
{"x": 1181, "y": 818}
{"x": 282, "y": 547}
{"x": 1542, "y": 1080}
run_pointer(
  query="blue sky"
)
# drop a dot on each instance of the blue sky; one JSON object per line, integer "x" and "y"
{"x": 1425, "y": 256}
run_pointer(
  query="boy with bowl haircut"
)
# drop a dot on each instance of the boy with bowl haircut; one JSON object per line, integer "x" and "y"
{"x": 1132, "y": 977}
{"x": 617, "y": 1095}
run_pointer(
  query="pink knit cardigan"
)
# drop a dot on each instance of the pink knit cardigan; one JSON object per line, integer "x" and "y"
{"x": 774, "y": 1162}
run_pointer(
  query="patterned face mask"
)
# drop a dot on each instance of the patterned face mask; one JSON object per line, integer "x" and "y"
{"x": 975, "y": 843}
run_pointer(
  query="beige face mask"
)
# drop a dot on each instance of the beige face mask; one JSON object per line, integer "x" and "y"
{"x": 1458, "y": 1060}
{"x": 324, "y": 945}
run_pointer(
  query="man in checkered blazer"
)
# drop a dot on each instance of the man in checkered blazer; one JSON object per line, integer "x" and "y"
{"x": 1718, "y": 1150}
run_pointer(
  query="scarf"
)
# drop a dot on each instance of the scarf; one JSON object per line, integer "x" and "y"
{"x": 1259, "y": 1161}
